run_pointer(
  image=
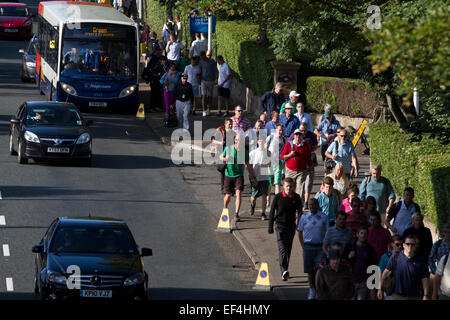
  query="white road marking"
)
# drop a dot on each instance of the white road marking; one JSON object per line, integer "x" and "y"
{"x": 6, "y": 250}
{"x": 2, "y": 221}
{"x": 9, "y": 284}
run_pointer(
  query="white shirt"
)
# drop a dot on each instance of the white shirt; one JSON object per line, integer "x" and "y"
{"x": 174, "y": 51}
{"x": 197, "y": 47}
{"x": 260, "y": 161}
{"x": 192, "y": 72}
{"x": 179, "y": 31}
{"x": 224, "y": 72}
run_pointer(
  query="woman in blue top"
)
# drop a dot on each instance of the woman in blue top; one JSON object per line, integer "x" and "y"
{"x": 169, "y": 81}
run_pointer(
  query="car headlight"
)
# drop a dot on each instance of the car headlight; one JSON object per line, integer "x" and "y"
{"x": 127, "y": 91}
{"x": 32, "y": 137}
{"x": 84, "y": 138}
{"x": 134, "y": 279}
{"x": 56, "y": 277}
{"x": 31, "y": 64}
{"x": 69, "y": 89}
{"x": 27, "y": 23}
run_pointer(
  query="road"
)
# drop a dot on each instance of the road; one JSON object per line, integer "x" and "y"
{"x": 131, "y": 178}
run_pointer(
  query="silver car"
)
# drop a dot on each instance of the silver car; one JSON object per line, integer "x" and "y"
{"x": 28, "y": 70}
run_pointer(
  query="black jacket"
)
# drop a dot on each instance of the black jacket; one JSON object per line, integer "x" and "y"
{"x": 270, "y": 101}
{"x": 288, "y": 211}
{"x": 184, "y": 92}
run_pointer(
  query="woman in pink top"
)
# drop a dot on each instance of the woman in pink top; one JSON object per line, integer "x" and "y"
{"x": 353, "y": 191}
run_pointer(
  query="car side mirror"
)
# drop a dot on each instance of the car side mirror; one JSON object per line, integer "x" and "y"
{"x": 15, "y": 121}
{"x": 146, "y": 252}
{"x": 21, "y": 51}
{"x": 39, "y": 248}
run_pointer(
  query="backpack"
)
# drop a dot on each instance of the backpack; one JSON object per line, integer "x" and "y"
{"x": 292, "y": 148}
{"x": 153, "y": 47}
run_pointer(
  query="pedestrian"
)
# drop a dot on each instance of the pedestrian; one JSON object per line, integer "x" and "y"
{"x": 119, "y": 6}
{"x": 155, "y": 69}
{"x": 370, "y": 206}
{"x": 411, "y": 274}
{"x": 167, "y": 31}
{"x": 310, "y": 138}
{"x": 327, "y": 108}
{"x": 302, "y": 116}
{"x": 272, "y": 100}
{"x": 328, "y": 201}
{"x": 352, "y": 191}
{"x": 183, "y": 61}
{"x": 145, "y": 34}
{"x": 194, "y": 77}
{"x": 179, "y": 29}
{"x": 184, "y": 98}
{"x": 208, "y": 69}
{"x": 263, "y": 118}
{"x": 422, "y": 233}
{"x": 326, "y": 132}
{"x": 285, "y": 211}
{"x": 312, "y": 228}
{"x": 378, "y": 187}
{"x": 344, "y": 153}
{"x": 173, "y": 49}
{"x": 236, "y": 158}
{"x": 260, "y": 161}
{"x": 402, "y": 212}
{"x": 339, "y": 233}
{"x": 293, "y": 99}
{"x": 154, "y": 47}
{"x": 271, "y": 126}
{"x": 241, "y": 124}
{"x": 224, "y": 137}
{"x": 169, "y": 81}
{"x": 289, "y": 121}
{"x": 441, "y": 281}
{"x": 356, "y": 219}
{"x": 340, "y": 180}
{"x": 440, "y": 248}
{"x": 379, "y": 238}
{"x": 334, "y": 281}
{"x": 253, "y": 134}
{"x": 275, "y": 144}
{"x": 297, "y": 154}
{"x": 224, "y": 86}
{"x": 344, "y": 259}
{"x": 198, "y": 45}
{"x": 169, "y": 22}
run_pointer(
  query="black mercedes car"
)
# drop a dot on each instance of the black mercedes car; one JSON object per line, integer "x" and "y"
{"x": 90, "y": 258}
{"x": 50, "y": 130}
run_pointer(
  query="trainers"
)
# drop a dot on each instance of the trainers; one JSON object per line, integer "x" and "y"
{"x": 312, "y": 294}
{"x": 263, "y": 217}
{"x": 285, "y": 275}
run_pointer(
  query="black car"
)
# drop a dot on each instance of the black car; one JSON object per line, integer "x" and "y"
{"x": 28, "y": 70}
{"x": 50, "y": 130}
{"x": 89, "y": 258}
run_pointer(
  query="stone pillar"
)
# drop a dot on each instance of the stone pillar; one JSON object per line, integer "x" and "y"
{"x": 286, "y": 73}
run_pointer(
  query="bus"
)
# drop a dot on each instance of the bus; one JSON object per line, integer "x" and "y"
{"x": 87, "y": 54}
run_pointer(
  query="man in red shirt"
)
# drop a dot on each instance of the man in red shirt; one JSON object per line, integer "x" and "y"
{"x": 356, "y": 218}
{"x": 297, "y": 154}
{"x": 379, "y": 238}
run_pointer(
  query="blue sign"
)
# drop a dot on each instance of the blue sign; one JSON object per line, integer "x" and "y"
{"x": 200, "y": 24}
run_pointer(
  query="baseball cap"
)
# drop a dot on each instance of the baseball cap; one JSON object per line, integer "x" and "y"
{"x": 334, "y": 254}
{"x": 184, "y": 76}
{"x": 294, "y": 93}
{"x": 297, "y": 131}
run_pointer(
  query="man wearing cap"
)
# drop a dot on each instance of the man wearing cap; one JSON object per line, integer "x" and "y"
{"x": 184, "y": 96}
{"x": 272, "y": 100}
{"x": 293, "y": 99}
{"x": 334, "y": 281}
{"x": 297, "y": 154}
{"x": 289, "y": 121}
{"x": 326, "y": 131}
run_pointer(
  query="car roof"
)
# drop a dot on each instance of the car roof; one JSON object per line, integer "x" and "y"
{"x": 91, "y": 222}
{"x": 13, "y": 4}
{"x": 38, "y": 104}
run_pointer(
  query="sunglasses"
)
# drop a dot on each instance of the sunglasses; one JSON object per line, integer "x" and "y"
{"x": 398, "y": 244}
{"x": 238, "y": 110}
{"x": 409, "y": 244}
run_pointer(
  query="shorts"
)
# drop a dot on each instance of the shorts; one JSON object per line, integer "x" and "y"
{"x": 230, "y": 185}
{"x": 196, "y": 90}
{"x": 223, "y": 92}
{"x": 312, "y": 256}
{"x": 207, "y": 88}
{"x": 277, "y": 173}
{"x": 309, "y": 182}
{"x": 261, "y": 190}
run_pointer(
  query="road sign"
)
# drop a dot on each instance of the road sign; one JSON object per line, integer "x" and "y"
{"x": 224, "y": 221}
{"x": 140, "y": 115}
{"x": 359, "y": 133}
{"x": 263, "y": 280}
{"x": 200, "y": 24}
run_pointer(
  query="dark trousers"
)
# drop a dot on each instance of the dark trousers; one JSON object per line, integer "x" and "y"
{"x": 155, "y": 95}
{"x": 285, "y": 238}
{"x": 323, "y": 148}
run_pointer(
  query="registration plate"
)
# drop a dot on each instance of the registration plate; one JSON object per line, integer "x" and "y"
{"x": 12, "y": 30}
{"x": 58, "y": 150}
{"x": 96, "y": 293}
{"x": 98, "y": 104}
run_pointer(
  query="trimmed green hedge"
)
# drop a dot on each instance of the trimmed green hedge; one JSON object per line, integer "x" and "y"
{"x": 156, "y": 15}
{"x": 236, "y": 42}
{"x": 424, "y": 166}
{"x": 351, "y": 97}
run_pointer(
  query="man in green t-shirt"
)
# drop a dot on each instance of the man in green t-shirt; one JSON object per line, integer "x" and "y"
{"x": 293, "y": 99}
{"x": 236, "y": 158}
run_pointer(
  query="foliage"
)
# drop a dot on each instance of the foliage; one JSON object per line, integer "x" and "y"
{"x": 422, "y": 165}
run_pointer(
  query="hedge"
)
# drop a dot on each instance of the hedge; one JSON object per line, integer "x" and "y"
{"x": 351, "y": 97}
{"x": 424, "y": 166}
{"x": 156, "y": 15}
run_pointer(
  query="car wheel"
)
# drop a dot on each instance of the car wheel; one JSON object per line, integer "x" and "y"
{"x": 11, "y": 146}
{"x": 20, "y": 157}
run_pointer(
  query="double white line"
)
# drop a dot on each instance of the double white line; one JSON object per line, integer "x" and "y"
{"x": 6, "y": 253}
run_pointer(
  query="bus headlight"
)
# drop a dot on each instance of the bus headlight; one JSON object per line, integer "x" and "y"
{"x": 127, "y": 91}
{"x": 68, "y": 89}
{"x": 30, "y": 136}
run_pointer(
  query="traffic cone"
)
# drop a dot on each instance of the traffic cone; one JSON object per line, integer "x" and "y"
{"x": 140, "y": 115}
{"x": 224, "y": 222}
{"x": 263, "y": 280}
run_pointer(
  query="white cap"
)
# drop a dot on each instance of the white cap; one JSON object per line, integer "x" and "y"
{"x": 294, "y": 94}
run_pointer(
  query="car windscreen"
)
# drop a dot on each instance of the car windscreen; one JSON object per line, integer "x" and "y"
{"x": 102, "y": 240}
{"x": 11, "y": 11}
{"x": 53, "y": 116}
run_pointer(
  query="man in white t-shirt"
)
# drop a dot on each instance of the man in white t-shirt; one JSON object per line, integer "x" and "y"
{"x": 198, "y": 45}
{"x": 193, "y": 71}
{"x": 173, "y": 49}
{"x": 224, "y": 85}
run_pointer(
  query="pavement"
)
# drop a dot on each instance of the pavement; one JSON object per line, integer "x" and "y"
{"x": 250, "y": 231}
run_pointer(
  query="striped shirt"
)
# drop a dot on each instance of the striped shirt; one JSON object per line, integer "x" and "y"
{"x": 242, "y": 124}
